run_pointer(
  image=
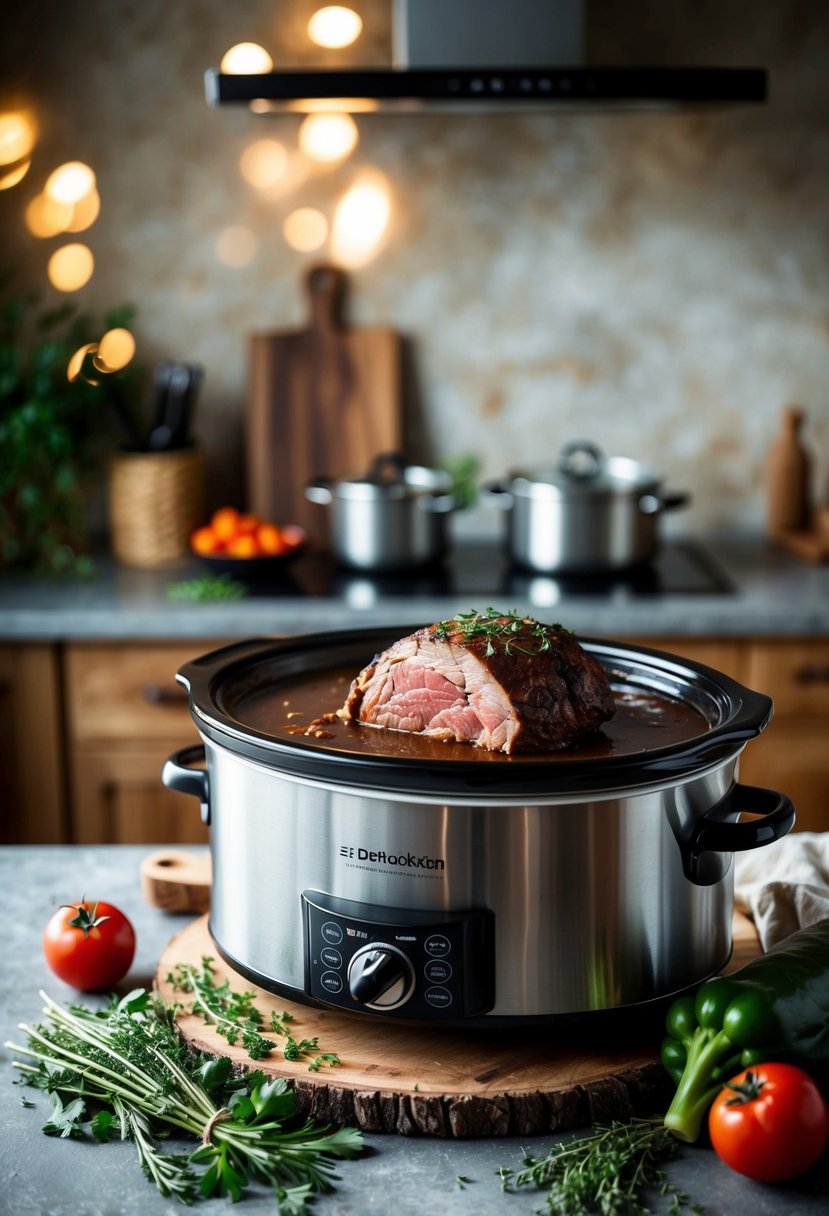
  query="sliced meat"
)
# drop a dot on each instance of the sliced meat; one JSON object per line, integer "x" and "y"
{"x": 501, "y": 682}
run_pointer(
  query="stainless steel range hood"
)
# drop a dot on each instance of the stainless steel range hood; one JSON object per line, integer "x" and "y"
{"x": 483, "y": 55}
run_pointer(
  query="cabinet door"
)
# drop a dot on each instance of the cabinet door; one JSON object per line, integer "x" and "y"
{"x": 118, "y": 798}
{"x": 793, "y": 754}
{"x": 794, "y": 759}
{"x": 32, "y": 778}
{"x": 723, "y": 654}
{"x": 126, "y": 714}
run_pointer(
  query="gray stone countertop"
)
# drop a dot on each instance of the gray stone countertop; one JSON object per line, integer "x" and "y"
{"x": 728, "y": 586}
{"x": 42, "y": 1176}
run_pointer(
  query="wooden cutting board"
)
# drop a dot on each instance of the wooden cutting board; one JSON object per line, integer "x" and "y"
{"x": 418, "y": 1080}
{"x": 323, "y": 401}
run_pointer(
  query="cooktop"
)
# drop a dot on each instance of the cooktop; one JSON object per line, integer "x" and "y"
{"x": 481, "y": 569}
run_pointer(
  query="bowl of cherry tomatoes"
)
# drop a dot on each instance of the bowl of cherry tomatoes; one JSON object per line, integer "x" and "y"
{"x": 246, "y": 546}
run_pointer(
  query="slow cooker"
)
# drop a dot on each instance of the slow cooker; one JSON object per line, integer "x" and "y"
{"x": 395, "y": 877}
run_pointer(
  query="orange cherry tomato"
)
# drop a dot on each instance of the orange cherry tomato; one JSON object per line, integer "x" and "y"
{"x": 242, "y": 546}
{"x": 270, "y": 540}
{"x": 225, "y": 523}
{"x": 204, "y": 540}
{"x": 247, "y": 524}
{"x": 293, "y": 535}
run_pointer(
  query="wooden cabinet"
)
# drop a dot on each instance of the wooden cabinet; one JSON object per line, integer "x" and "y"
{"x": 792, "y": 754}
{"x": 125, "y": 715}
{"x": 33, "y": 803}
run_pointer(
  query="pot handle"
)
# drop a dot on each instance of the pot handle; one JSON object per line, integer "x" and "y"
{"x": 655, "y": 504}
{"x": 320, "y": 491}
{"x": 496, "y": 494}
{"x": 177, "y": 774}
{"x": 718, "y": 832}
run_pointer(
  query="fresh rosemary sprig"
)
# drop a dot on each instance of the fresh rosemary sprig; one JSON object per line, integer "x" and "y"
{"x": 604, "y": 1173}
{"x": 128, "y": 1063}
{"x": 508, "y": 631}
{"x": 235, "y": 1016}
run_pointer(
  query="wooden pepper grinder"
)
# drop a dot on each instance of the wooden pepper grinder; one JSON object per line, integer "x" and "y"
{"x": 789, "y": 470}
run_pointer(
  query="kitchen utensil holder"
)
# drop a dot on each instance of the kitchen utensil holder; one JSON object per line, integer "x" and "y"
{"x": 155, "y": 502}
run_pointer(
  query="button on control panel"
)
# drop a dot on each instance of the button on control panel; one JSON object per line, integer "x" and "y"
{"x": 396, "y": 961}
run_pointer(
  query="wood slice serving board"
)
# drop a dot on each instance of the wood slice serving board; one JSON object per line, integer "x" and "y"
{"x": 452, "y": 1083}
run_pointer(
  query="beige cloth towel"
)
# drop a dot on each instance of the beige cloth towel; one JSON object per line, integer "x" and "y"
{"x": 784, "y": 886}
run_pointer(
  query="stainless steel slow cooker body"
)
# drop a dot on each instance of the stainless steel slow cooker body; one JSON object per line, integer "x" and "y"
{"x": 469, "y": 893}
{"x": 591, "y": 514}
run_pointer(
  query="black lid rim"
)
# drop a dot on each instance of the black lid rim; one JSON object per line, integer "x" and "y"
{"x": 744, "y": 715}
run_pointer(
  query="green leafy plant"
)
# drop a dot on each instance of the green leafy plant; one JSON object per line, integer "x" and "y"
{"x": 123, "y": 1072}
{"x": 53, "y": 432}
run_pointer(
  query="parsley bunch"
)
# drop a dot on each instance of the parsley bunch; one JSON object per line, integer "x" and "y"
{"x": 127, "y": 1065}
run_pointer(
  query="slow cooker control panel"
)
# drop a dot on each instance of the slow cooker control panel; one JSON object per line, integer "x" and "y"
{"x": 398, "y": 962}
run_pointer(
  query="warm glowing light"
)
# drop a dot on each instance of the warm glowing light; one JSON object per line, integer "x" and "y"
{"x": 15, "y": 175}
{"x": 263, "y": 163}
{"x": 84, "y": 213}
{"x": 246, "y": 59}
{"x": 115, "y": 350}
{"x": 46, "y": 217}
{"x": 305, "y": 229}
{"x": 75, "y": 364}
{"x": 334, "y": 26}
{"x": 70, "y": 182}
{"x": 333, "y": 105}
{"x": 360, "y": 222}
{"x": 236, "y": 246}
{"x": 17, "y": 136}
{"x": 328, "y": 137}
{"x": 70, "y": 267}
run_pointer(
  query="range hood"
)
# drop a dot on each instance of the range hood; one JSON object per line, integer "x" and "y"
{"x": 482, "y": 55}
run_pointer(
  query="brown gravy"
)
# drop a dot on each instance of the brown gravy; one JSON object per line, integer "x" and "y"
{"x": 303, "y": 709}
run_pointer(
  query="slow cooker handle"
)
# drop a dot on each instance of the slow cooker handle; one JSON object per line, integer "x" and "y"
{"x": 177, "y": 774}
{"x": 717, "y": 832}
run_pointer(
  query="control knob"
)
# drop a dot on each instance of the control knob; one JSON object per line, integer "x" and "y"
{"x": 380, "y": 976}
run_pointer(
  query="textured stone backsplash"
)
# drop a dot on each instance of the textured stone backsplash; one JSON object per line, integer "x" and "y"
{"x": 658, "y": 283}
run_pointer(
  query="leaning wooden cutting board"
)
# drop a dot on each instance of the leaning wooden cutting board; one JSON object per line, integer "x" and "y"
{"x": 323, "y": 401}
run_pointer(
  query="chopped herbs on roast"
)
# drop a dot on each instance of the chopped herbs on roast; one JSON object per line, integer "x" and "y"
{"x": 497, "y": 680}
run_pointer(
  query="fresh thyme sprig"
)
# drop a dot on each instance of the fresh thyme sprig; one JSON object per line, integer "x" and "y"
{"x": 508, "y": 631}
{"x": 235, "y": 1016}
{"x": 128, "y": 1062}
{"x": 604, "y": 1173}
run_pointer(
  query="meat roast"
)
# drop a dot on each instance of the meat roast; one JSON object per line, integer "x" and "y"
{"x": 499, "y": 681}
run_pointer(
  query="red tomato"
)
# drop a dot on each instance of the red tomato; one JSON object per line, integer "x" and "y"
{"x": 89, "y": 945}
{"x": 770, "y": 1123}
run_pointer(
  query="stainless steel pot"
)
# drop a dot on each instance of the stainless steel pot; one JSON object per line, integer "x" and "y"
{"x": 394, "y": 518}
{"x": 476, "y": 892}
{"x": 590, "y": 514}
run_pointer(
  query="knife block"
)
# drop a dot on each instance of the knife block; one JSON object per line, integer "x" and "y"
{"x": 156, "y": 500}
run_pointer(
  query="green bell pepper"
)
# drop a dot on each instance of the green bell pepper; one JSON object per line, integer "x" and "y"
{"x": 774, "y": 1008}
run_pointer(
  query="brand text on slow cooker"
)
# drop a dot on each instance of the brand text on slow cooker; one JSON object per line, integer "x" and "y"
{"x": 394, "y": 859}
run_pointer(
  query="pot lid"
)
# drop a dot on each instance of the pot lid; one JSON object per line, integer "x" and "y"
{"x": 241, "y": 697}
{"x": 391, "y": 476}
{"x": 584, "y": 470}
